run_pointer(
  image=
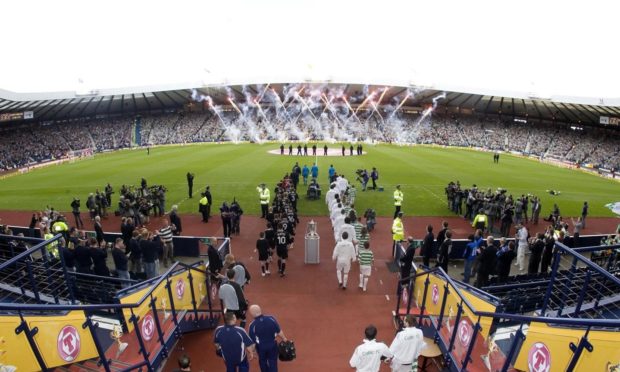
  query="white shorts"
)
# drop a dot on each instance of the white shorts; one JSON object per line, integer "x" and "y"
{"x": 365, "y": 270}
{"x": 343, "y": 266}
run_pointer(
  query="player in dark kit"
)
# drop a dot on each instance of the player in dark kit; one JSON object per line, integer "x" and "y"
{"x": 262, "y": 246}
{"x": 283, "y": 239}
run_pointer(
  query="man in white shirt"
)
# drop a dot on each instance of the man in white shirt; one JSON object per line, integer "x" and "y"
{"x": 330, "y": 194}
{"x": 367, "y": 356}
{"x": 334, "y": 203}
{"x": 349, "y": 229}
{"x": 344, "y": 254}
{"x": 337, "y": 224}
{"x": 522, "y": 246}
{"x": 335, "y": 211}
{"x": 406, "y": 347}
{"x": 342, "y": 184}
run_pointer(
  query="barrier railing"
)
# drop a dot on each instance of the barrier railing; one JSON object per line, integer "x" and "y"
{"x": 465, "y": 324}
{"x": 36, "y": 274}
{"x": 148, "y": 335}
{"x": 586, "y": 286}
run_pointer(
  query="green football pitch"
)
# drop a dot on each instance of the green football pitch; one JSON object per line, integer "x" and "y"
{"x": 234, "y": 171}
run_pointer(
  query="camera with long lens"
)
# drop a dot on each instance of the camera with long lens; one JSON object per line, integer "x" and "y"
{"x": 360, "y": 174}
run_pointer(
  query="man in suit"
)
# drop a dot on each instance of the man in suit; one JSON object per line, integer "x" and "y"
{"x": 175, "y": 220}
{"x": 428, "y": 245}
{"x": 486, "y": 264}
{"x": 190, "y": 183}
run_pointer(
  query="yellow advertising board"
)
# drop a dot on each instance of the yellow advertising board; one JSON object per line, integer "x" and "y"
{"x": 606, "y": 353}
{"x": 434, "y": 299}
{"x": 62, "y": 340}
{"x": 547, "y": 348}
{"x": 181, "y": 295}
{"x": 14, "y": 348}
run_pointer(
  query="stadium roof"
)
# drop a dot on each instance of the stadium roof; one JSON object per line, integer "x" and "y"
{"x": 69, "y": 105}
{"x": 538, "y": 48}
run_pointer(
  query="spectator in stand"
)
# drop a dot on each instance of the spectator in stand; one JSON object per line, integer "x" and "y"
{"x": 469, "y": 255}
{"x": 428, "y": 246}
{"x": 83, "y": 258}
{"x": 175, "y": 220}
{"x": 99, "y": 231}
{"x": 165, "y": 234}
{"x": 487, "y": 263}
{"x": 537, "y": 246}
{"x": 521, "y": 237}
{"x": 547, "y": 254}
{"x": 135, "y": 253}
{"x": 505, "y": 255}
{"x": 120, "y": 261}
{"x": 99, "y": 255}
{"x": 444, "y": 251}
{"x": 150, "y": 246}
{"x": 47, "y": 141}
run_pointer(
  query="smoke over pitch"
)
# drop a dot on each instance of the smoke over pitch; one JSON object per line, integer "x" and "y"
{"x": 315, "y": 112}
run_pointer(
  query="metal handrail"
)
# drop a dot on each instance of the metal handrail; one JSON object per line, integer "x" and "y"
{"x": 448, "y": 279}
{"x": 585, "y": 260}
{"x": 516, "y": 317}
{"x": 595, "y": 248}
{"x": 28, "y": 252}
{"x": 144, "y": 283}
{"x": 160, "y": 279}
{"x": 24, "y": 238}
{"x": 110, "y": 278}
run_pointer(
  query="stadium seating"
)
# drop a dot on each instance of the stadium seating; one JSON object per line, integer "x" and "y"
{"x": 48, "y": 141}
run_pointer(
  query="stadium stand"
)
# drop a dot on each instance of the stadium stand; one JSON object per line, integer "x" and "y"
{"x": 595, "y": 147}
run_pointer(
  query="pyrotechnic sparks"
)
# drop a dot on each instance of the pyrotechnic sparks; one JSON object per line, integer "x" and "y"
{"x": 310, "y": 111}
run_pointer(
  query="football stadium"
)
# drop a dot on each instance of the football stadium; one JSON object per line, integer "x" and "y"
{"x": 176, "y": 191}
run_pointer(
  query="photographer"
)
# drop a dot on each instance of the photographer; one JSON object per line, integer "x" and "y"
{"x": 362, "y": 177}
{"x": 75, "y": 206}
{"x": 108, "y": 194}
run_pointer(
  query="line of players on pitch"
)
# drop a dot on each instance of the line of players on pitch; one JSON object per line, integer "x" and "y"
{"x": 351, "y": 236}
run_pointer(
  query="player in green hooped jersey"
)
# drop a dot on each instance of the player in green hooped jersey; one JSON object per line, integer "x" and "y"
{"x": 366, "y": 259}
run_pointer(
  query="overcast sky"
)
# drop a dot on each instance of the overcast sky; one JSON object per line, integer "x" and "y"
{"x": 543, "y": 47}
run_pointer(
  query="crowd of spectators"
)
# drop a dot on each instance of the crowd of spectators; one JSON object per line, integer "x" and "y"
{"x": 34, "y": 143}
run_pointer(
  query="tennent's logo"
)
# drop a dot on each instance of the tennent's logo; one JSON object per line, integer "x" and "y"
{"x": 148, "y": 327}
{"x": 180, "y": 288}
{"x": 435, "y": 294}
{"x": 68, "y": 343}
{"x": 539, "y": 358}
